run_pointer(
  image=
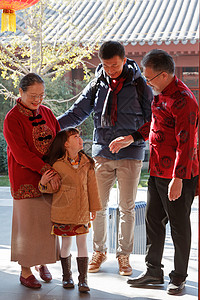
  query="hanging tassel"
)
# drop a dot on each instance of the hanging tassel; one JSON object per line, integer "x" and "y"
{"x": 8, "y": 20}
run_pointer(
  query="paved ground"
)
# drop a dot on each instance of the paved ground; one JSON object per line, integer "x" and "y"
{"x": 107, "y": 284}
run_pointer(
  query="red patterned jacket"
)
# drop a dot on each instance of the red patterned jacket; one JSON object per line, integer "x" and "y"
{"x": 173, "y": 133}
{"x": 28, "y": 135}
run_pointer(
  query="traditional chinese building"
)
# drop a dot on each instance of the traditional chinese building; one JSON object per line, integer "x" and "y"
{"x": 164, "y": 24}
{"x": 140, "y": 25}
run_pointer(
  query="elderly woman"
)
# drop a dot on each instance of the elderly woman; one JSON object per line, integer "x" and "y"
{"x": 29, "y": 129}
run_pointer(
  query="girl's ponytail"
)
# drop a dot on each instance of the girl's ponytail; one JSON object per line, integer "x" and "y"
{"x": 57, "y": 149}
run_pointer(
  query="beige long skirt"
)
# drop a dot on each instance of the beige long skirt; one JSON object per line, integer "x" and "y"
{"x": 32, "y": 242}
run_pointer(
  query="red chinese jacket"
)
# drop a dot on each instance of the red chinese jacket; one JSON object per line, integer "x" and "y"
{"x": 28, "y": 135}
{"x": 173, "y": 133}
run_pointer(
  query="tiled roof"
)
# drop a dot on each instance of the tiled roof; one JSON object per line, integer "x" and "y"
{"x": 128, "y": 21}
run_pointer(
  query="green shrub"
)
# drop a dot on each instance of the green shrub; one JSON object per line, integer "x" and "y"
{"x": 3, "y": 155}
{"x": 144, "y": 178}
{"x": 4, "y": 180}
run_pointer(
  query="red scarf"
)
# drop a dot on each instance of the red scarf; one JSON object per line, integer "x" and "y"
{"x": 109, "y": 116}
{"x": 115, "y": 86}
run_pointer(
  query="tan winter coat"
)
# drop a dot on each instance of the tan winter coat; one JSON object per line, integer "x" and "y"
{"x": 78, "y": 194}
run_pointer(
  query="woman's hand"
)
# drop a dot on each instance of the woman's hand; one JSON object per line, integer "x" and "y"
{"x": 55, "y": 182}
{"x": 93, "y": 215}
{"x": 47, "y": 176}
{"x": 175, "y": 189}
{"x": 120, "y": 142}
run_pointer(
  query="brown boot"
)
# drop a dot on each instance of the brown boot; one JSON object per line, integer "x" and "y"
{"x": 82, "y": 263}
{"x": 67, "y": 274}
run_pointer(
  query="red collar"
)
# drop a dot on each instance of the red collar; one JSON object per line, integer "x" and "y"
{"x": 25, "y": 110}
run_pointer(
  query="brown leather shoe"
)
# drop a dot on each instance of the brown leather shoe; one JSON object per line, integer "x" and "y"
{"x": 124, "y": 266}
{"x": 97, "y": 259}
{"x": 30, "y": 282}
{"x": 44, "y": 273}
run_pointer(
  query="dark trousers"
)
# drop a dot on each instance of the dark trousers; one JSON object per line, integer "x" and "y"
{"x": 158, "y": 212}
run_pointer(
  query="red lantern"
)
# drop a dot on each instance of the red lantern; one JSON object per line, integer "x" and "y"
{"x": 8, "y": 18}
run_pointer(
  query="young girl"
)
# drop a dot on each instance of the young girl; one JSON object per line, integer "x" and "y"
{"x": 76, "y": 201}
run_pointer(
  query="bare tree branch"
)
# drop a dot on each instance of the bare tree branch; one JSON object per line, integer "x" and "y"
{"x": 52, "y": 57}
{"x": 61, "y": 100}
{"x": 16, "y": 60}
{"x": 6, "y": 93}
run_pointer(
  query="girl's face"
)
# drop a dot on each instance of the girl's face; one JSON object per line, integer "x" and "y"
{"x": 33, "y": 97}
{"x": 74, "y": 143}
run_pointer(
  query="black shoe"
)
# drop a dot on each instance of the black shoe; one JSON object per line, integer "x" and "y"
{"x": 146, "y": 278}
{"x": 173, "y": 289}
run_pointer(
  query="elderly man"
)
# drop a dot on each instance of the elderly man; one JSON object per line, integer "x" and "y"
{"x": 172, "y": 135}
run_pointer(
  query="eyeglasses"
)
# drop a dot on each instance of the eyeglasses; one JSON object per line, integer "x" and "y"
{"x": 148, "y": 80}
{"x": 34, "y": 97}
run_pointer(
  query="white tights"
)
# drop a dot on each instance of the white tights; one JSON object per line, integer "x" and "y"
{"x": 81, "y": 242}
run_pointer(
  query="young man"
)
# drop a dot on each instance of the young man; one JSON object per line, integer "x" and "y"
{"x": 122, "y": 104}
{"x": 172, "y": 135}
